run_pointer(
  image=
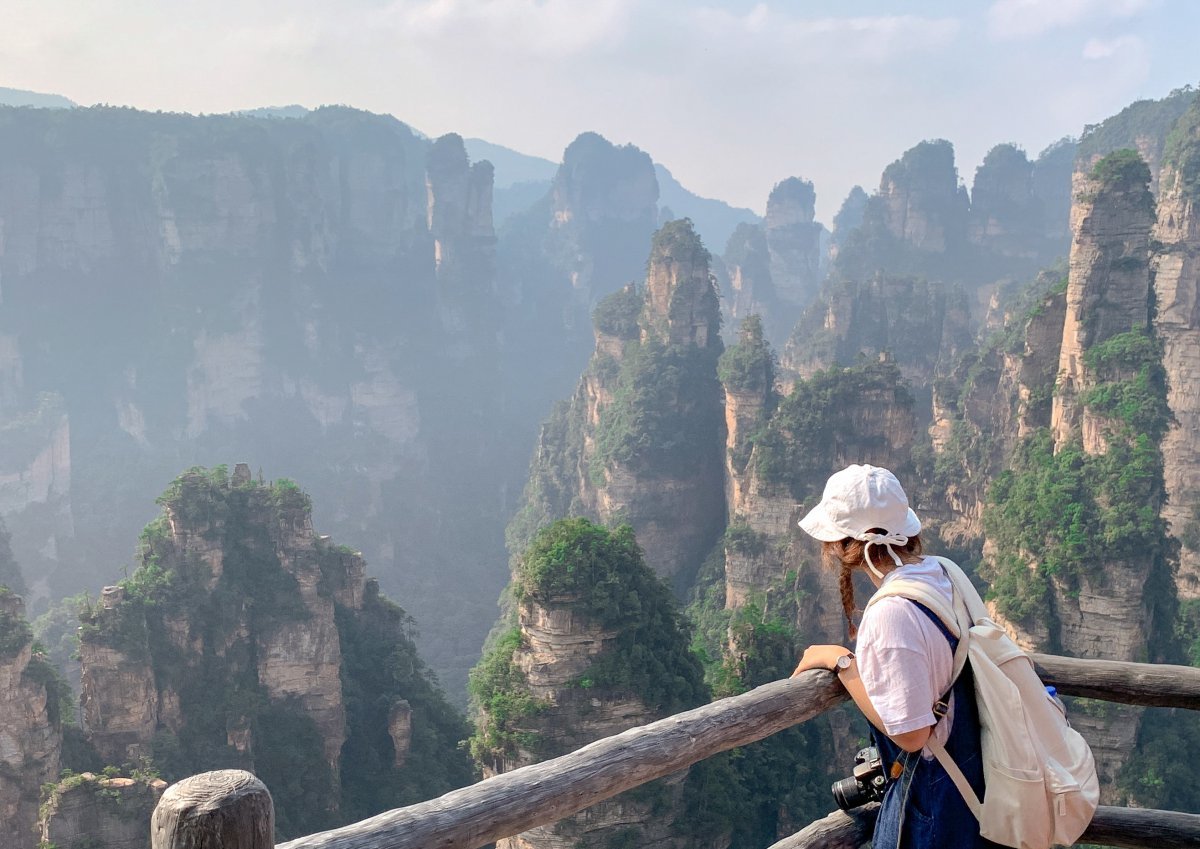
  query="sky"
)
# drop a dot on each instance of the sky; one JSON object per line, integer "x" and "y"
{"x": 732, "y": 96}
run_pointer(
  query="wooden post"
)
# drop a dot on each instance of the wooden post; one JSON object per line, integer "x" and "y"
{"x": 226, "y": 809}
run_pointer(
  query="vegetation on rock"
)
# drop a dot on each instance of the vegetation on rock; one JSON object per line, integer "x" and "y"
{"x": 748, "y": 366}
{"x": 771, "y": 786}
{"x": 499, "y": 691}
{"x": 602, "y": 574}
{"x": 812, "y": 424}
{"x": 1122, "y": 170}
{"x": 1145, "y": 119}
{"x": 1182, "y": 150}
{"x": 617, "y": 314}
{"x": 219, "y": 689}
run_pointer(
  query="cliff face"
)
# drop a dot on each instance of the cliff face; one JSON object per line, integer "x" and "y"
{"x": 920, "y": 200}
{"x": 991, "y": 399}
{"x": 747, "y": 263}
{"x": 598, "y": 648}
{"x": 640, "y": 440}
{"x": 1109, "y": 286}
{"x": 296, "y": 656}
{"x": 31, "y": 735}
{"x": 319, "y": 292}
{"x": 1177, "y": 324}
{"x": 859, "y": 415}
{"x": 238, "y": 642}
{"x": 794, "y": 241}
{"x": 774, "y": 269}
{"x": 924, "y": 326}
{"x": 1076, "y": 553}
{"x": 1052, "y": 187}
{"x": 604, "y": 203}
{"x": 35, "y": 479}
{"x": 1005, "y": 215}
{"x": 113, "y": 813}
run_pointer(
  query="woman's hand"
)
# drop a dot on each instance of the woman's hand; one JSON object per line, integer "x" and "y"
{"x": 820, "y": 657}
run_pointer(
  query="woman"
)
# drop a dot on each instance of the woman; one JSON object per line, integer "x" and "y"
{"x": 903, "y": 665}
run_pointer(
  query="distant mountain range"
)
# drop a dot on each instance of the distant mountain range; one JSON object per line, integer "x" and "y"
{"x": 18, "y": 97}
{"x": 521, "y": 179}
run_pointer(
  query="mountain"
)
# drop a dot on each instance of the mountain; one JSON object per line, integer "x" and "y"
{"x": 18, "y": 97}
{"x": 521, "y": 179}
{"x": 598, "y": 646}
{"x": 714, "y": 220}
{"x": 511, "y": 166}
{"x": 317, "y": 292}
{"x": 246, "y": 640}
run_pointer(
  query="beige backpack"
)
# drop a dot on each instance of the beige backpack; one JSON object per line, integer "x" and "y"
{"x": 1040, "y": 779}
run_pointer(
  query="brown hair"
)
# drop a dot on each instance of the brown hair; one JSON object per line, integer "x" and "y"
{"x": 846, "y": 555}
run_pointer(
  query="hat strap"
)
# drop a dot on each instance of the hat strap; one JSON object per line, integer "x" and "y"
{"x": 888, "y": 540}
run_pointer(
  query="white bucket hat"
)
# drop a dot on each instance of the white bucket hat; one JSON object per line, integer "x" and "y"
{"x": 857, "y": 499}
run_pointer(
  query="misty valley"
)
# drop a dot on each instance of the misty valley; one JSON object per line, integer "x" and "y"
{"x": 377, "y": 464}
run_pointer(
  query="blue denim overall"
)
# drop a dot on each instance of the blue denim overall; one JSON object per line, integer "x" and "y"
{"x": 921, "y": 808}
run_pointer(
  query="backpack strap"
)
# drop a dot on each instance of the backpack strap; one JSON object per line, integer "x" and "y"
{"x": 957, "y": 619}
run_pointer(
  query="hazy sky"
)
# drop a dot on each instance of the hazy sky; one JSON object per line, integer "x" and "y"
{"x": 732, "y": 96}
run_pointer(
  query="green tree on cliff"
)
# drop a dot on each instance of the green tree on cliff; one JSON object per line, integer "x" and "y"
{"x": 602, "y": 574}
{"x": 262, "y": 536}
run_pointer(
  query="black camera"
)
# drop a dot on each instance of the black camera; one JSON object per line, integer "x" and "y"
{"x": 866, "y": 784}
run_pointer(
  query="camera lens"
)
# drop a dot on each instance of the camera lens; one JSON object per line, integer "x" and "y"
{"x": 848, "y": 794}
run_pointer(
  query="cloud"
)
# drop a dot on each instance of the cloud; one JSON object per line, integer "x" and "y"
{"x": 875, "y": 39}
{"x": 1030, "y": 18}
{"x": 556, "y": 28}
{"x": 1098, "y": 48}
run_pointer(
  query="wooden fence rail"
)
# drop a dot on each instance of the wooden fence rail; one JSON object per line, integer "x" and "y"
{"x": 1129, "y": 828}
{"x": 544, "y": 793}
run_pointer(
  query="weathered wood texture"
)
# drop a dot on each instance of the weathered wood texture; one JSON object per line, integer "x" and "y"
{"x": 226, "y": 809}
{"x": 546, "y": 792}
{"x": 1131, "y": 828}
{"x": 1143, "y": 828}
{"x": 1152, "y": 684}
{"x": 839, "y": 830}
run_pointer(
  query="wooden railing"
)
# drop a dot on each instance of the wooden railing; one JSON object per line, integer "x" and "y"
{"x": 230, "y": 808}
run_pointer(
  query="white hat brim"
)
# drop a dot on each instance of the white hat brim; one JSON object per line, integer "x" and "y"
{"x": 817, "y": 524}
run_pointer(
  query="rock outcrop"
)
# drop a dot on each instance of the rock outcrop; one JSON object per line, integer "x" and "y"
{"x": 794, "y": 241}
{"x": 598, "y": 648}
{"x": 318, "y": 291}
{"x": 605, "y": 204}
{"x": 91, "y": 810}
{"x": 1109, "y": 283}
{"x": 920, "y": 200}
{"x": 774, "y": 269}
{"x": 1075, "y": 550}
{"x": 1005, "y": 215}
{"x": 859, "y": 415}
{"x": 245, "y": 640}
{"x": 747, "y": 262}
{"x": 30, "y": 725}
{"x": 1177, "y": 325}
{"x": 640, "y": 441}
{"x": 1142, "y": 126}
{"x": 925, "y": 327}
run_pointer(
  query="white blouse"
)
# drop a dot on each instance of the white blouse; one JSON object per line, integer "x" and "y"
{"x": 904, "y": 660}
